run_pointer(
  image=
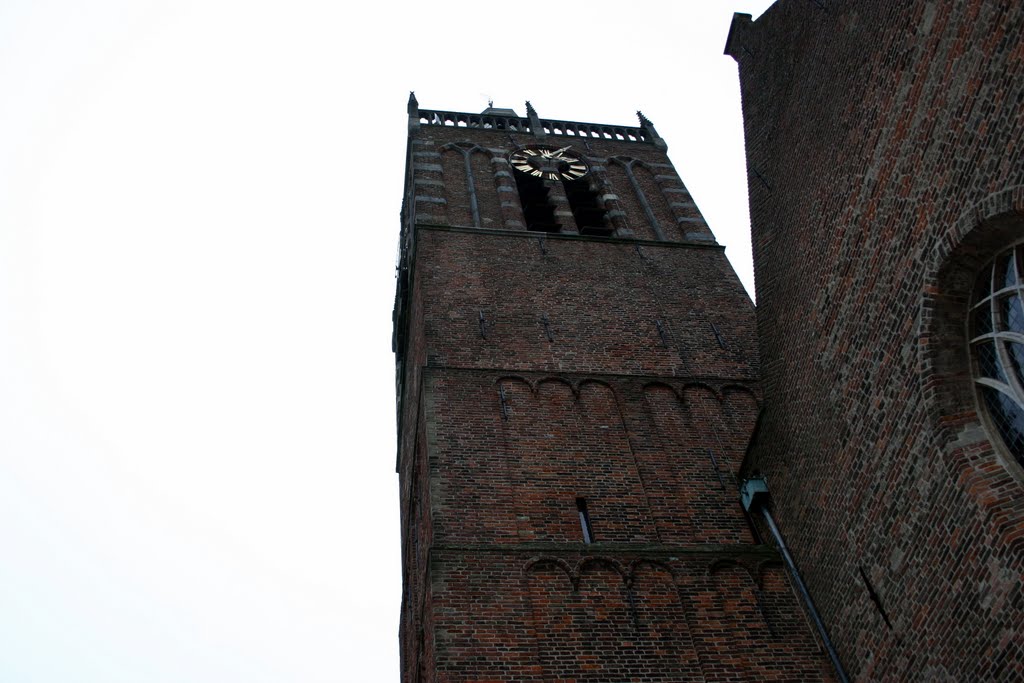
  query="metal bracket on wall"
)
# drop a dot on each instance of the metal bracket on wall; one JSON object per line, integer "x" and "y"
{"x": 761, "y": 178}
{"x": 874, "y": 597}
{"x": 631, "y": 598}
{"x": 719, "y": 337}
{"x": 661, "y": 333}
{"x": 504, "y": 404}
{"x": 714, "y": 463}
{"x": 483, "y": 326}
{"x": 547, "y": 328}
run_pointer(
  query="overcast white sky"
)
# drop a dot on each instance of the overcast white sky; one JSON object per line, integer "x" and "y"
{"x": 198, "y": 219}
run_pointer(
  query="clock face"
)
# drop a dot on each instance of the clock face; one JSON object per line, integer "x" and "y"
{"x": 549, "y": 163}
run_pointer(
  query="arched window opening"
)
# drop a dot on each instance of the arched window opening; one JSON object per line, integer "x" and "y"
{"x": 586, "y": 208}
{"x": 538, "y": 210}
{"x": 997, "y": 345}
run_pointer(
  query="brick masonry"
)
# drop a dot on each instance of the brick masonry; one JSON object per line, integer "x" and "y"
{"x": 538, "y": 369}
{"x": 884, "y": 148}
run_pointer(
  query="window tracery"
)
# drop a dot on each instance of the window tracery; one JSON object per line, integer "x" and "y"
{"x": 996, "y": 327}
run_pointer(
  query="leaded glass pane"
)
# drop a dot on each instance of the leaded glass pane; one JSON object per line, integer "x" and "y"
{"x": 988, "y": 361}
{"x": 1006, "y": 274}
{"x": 1016, "y": 353}
{"x": 1009, "y": 420}
{"x": 1012, "y": 313}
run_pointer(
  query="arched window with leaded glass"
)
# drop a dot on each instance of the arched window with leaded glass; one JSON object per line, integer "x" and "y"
{"x": 996, "y": 330}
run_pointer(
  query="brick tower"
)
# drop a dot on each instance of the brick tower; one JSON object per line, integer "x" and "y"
{"x": 576, "y": 379}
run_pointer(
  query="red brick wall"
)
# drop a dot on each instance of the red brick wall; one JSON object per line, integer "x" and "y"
{"x": 884, "y": 147}
{"x": 515, "y": 420}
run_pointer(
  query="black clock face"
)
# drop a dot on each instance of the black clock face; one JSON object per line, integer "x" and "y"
{"x": 548, "y": 163}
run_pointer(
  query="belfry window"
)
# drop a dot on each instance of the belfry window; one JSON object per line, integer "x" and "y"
{"x": 586, "y": 207}
{"x": 997, "y": 345}
{"x": 538, "y": 210}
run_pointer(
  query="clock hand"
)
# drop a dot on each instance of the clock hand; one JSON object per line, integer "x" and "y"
{"x": 557, "y": 154}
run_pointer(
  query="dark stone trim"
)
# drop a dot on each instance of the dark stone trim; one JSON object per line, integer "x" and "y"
{"x": 691, "y": 244}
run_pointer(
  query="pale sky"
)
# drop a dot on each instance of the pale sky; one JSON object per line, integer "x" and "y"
{"x": 199, "y": 207}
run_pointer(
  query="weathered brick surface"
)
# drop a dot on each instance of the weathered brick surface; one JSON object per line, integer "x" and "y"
{"x": 640, "y": 452}
{"x": 640, "y": 615}
{"x": 603, "y": 301}
{"x": 538, "y": 369}
{"x": 884, "y": 147}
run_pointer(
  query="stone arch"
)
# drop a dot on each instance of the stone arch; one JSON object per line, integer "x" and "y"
{"x": 660, "y": 385}
{"x": 739, "y": 389}
{"x": 593, "y": 561}
{"x": 711, "y": 389}
{"x": 590, "y": 389}
{"x": 540, "y": 563}
{"x": 593, "y": 380}
{"x": 553, "y": 379}
{"x": 514, "y": 378}
{"x": 638, "y": 564}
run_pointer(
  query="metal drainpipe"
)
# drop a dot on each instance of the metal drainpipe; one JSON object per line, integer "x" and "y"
{"x": 754, "y": 497}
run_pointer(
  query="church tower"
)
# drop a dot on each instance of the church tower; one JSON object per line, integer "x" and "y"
{"x": 577, "y": 382}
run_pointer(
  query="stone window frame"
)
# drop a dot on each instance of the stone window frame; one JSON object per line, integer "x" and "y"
{"x": 993, "y": 325}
